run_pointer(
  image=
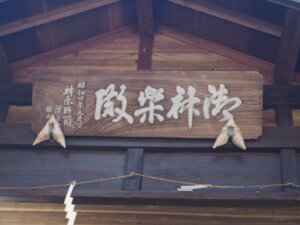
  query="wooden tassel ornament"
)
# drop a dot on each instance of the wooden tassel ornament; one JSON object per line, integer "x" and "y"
{"x": 45, "y": 133}
{"x": 237, "y": 137}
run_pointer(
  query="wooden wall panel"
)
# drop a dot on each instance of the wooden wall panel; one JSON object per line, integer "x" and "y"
{"x": 117, "y": 54}
{"x": 19, "y": 114}
{"x": 171, "y": 54}
{"x": 216, "y": 30}
{"x": 31, "y": 168}
{"x": 211, "y": 168}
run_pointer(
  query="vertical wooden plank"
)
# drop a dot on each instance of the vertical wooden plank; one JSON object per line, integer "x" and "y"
{"x": 133, "y": 163}
{"x": 288, "y": 167}
{"x": 284, "y": 117}
{"x": 6, "y": 74}
{"x": 145, "y": 53}
{"x": 146, "y": 30}
{"x": 3, "y": 111}
{"x": 145, "y": 17}
{"x": 288, "y": 48}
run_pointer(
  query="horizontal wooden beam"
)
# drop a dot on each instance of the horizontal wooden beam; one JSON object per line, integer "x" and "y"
{"x": 205, "y": 198}
{"x": 21, "y": 94}
{"x": 53, "y": 15}
{"x": 74, "y": 47}
{"x": 231, "y": 16}
{"x": 16, "y": 93}
{"x": 22, "y": 136}
{"x": 281, "y": 95}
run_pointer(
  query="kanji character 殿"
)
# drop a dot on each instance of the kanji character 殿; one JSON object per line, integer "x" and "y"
{"x": 180, "y": 105}
{"x": 219, "y": 100}
{"x": 153, "y": 96}
{"x": 105, "y": 105}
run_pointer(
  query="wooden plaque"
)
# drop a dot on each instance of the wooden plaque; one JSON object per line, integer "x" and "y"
{"x": 86, "y": 102}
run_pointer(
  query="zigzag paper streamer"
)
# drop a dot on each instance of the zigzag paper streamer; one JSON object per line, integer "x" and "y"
{"x": 69, "y": 209}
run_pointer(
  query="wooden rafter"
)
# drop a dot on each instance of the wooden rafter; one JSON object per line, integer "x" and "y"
{"x": 231, "y": 16}
{"x": 53, "y": 15}
{"x": 288, "y": 48}
{"x": 294, "y": 4}
{"x": 146, "y": 31}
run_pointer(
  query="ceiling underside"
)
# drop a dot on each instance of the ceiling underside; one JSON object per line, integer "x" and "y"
{"x": 35, "y": 27}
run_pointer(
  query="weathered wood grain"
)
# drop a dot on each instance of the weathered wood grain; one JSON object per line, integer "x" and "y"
{"x": 136, "y": 214}
{"x": 294, "y": 4}
{"x": 133, "y": 164}
{"x": 232, "y": 16}
{"x": 6, "y": 73}
{"x": 51, "y": 57}
{"x": 288, "y": 48}
{"x": 211, "y": 55}
{"x": 49, "y": 84}
{"x": 52, "y": 15}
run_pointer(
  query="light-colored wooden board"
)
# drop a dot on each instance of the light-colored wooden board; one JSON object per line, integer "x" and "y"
{"x": 269, "y": 118}
{"x": 19, "y": 114}
{"x": 240, "y": 61}
{"x": 116, "y": 54}
{"x": 49, "y": 86}
{"x": 296, "y": 117}
{"x": 45, "y": 214}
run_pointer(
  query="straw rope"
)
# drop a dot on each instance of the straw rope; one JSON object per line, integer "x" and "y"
{"x": 289, "y": 184}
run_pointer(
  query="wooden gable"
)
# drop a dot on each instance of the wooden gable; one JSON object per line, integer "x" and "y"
{"x": 184, "y": 37}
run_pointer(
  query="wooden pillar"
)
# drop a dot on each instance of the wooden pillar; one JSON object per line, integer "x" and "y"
{"x": 6, "y": 75}
{"x": 287, "y": 156}
{"x": 133, "y": 164}
{"x": 134, "y": 156}
{"x": 288, "y": 48}
{"x": 146, "y": 33}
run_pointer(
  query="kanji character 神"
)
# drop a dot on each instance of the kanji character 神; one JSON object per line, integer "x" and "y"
{"x": 180, "y": 105}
